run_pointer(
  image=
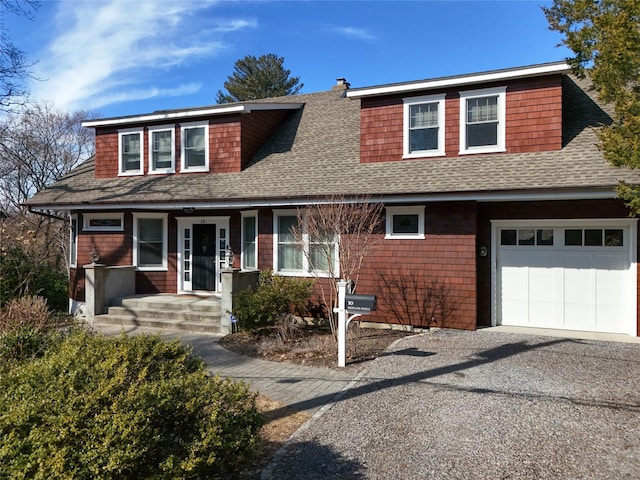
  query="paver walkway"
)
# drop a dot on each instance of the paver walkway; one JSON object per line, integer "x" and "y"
{"x": 297, "y": 386}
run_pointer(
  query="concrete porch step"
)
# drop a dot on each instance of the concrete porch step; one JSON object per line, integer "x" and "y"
{"x": 178, "y": 312}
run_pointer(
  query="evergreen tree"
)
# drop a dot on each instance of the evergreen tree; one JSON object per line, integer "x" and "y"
{"x": 254, "y": 78}
{"x": 605, "y": 37}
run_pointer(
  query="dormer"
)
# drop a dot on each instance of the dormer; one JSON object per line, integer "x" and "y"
{"x": 502, "y": 111}
{"x": 218, "y": 139}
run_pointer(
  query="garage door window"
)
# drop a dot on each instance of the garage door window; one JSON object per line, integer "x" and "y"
{"x": 594, "y": 237}
{"x": 527, "y": 236}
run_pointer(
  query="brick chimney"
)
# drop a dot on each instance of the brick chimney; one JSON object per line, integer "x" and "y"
{"x": 341, "y": 84}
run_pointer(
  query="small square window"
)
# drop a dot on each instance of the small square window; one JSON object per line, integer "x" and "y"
{"x": 544, "y": 237}
{"x": 526, "y": 237}
{"x": 573, "y": 237}
{"x": 593, "y": 237}
{"x": 405, "y": 222}
{"x": 613, "y": 238}
{"x": 508, "y": 237}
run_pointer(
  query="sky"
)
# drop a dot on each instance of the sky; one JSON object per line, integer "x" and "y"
{"x": 129, "y": 57}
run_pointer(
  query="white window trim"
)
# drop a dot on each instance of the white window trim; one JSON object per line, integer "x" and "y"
{"x": 183, "y": 128}
{"x": 305, "y": 271}
{"x": 410, "y": 101}
{"x": 73, "y": 245}
{"x": 243, "y": 215}
{"x": 87, "y": 217}
{"x": 136, "y": 217}
{"x": 129, "y": 131}
{"x": 501, "y": 92}
{"x": 162, "y": 128}
{"x": 410, "y": 210}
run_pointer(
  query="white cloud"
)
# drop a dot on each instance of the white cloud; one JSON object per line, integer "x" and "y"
{"x": 354, "y": 32}
{"x": 106, "y": 52}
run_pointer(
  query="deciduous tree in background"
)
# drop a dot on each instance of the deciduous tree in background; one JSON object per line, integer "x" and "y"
{"x": 14, "y": 65}
{"x": 605, "y": 37}
{"x": 263, "y": 77}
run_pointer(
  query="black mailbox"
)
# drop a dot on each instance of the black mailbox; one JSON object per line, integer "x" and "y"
{"x": 360, "y": 303}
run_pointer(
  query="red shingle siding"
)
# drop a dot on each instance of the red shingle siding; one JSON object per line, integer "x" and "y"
{"x": 265, "y": 239}
{"x": 106, "y": 153}
{"x": 224, "y": 145}
{"x": 533, "y": 120}
{"x": 446, "y": 257}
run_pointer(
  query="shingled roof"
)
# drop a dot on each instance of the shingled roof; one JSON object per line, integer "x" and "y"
{"x": 315, "y": 154}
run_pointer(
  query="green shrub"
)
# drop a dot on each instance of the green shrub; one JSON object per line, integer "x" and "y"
{"x": 95, "y": 407}
{"x": 23, "y": 274}
{"x": 273, "y": 297}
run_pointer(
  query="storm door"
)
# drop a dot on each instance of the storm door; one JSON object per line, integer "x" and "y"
{"x": 204, "y": 257}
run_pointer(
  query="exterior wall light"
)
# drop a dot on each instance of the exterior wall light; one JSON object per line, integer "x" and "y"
{"x": 484, "y": 251}
{"x": 95, "y": 255}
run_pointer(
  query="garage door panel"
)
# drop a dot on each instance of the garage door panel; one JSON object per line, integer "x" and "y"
{"x": 567, "y": 287}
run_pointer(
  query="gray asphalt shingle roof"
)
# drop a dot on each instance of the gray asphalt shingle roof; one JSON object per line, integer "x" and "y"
{"x": 315, "y": 153}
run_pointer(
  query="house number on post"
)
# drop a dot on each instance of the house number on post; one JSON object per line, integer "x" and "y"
{"x": 353, "y": 304}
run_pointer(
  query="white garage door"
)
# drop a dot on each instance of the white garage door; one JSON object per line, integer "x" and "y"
{"x": 573, "y": 276}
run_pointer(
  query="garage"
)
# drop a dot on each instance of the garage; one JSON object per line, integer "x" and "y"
{"x": 572, "y": 275}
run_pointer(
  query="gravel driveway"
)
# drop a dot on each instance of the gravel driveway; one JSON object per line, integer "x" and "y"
{"x": 480, "y": 405}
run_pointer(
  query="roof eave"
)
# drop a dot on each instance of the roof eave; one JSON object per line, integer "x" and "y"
{"x": 461, "y": 80}
{"x": 191, "y": 113}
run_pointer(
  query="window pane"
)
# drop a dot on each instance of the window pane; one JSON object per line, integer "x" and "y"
{"x": 249, "y": 244}
{"x": 593, "y": 238}
{"x": 405, "y": 224}
{"x": 424, "y": 116}
{"x": 508, "y": 237}
{"x": 150, "y": 254}
{"x": 73, "y": 251}
{"x": 150, "y": 230}
{"x": 423, "y": 139}
{"x": 544, "y": 237}
{"x": 318, "y": 257}
{"x": 285, "y": 224}
{"x": 482, "y": 109}
{"x": 573, "y": 237}
{"x": 289, "y": 257}
{"x": 613, "y": 238}
{"x": 481, "y": 134}
{"x": 526, "y": 237}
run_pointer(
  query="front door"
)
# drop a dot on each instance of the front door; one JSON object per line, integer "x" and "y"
{"x": 204, "y": 257}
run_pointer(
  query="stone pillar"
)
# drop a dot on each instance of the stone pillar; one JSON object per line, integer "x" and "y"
{"x": 94, "y": 277}
{"x": 229, "y": 281}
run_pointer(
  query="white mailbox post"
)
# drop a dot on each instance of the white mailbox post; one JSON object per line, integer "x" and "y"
{"x": 356, "y": 305}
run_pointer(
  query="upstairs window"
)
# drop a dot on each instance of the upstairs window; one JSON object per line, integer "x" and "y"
{"x": 130, "y": 152}
{"x": 161, "y": 149}
{"x": 195, "y": 147}
{"x": 424, "y": 126}
{"x": 482, "y": 120}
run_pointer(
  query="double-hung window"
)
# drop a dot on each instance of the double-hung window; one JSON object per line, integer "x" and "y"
{"x": 150, "y": 241}
{"x": 130, "y": 151}
{"x": 302, "y": 256}
{"x": 195, "y": 147}
{"x": 424, "y": 126}
{"x": 482, "y": 120}
{"x": 161, "y": 149}
{"x": 249, "y": 240}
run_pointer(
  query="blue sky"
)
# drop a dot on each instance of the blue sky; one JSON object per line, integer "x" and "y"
{"x": 130, "y": 57}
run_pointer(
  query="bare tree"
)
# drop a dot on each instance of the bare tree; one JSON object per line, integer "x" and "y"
{"x": 38, "y": 146}
{"x": 14, "y": 65}
{"x": 335, "y": 237}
